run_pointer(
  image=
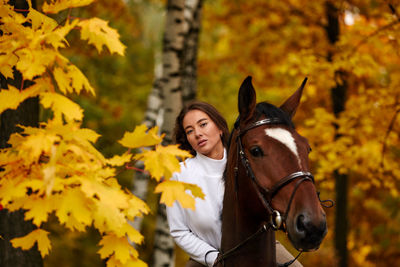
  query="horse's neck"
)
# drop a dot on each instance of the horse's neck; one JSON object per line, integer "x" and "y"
{"x": 239, "y": 222}
{"x": 238, "y": 226}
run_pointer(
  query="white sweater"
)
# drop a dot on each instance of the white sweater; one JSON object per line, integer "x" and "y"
{"x": 199, "y": 231}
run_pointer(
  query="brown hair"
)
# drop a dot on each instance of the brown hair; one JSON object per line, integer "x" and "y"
{"x": 179, "y": 134}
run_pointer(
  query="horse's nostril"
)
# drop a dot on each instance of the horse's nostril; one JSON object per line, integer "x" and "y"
{"x": 300, "y": 224}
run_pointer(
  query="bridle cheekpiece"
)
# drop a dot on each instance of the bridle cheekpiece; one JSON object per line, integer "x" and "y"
{"x": 277, "y": 220}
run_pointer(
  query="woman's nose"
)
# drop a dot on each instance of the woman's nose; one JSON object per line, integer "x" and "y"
{"x": 198, "y": 133}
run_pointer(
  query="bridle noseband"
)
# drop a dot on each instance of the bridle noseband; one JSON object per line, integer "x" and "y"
{"x": 277, "y": 221}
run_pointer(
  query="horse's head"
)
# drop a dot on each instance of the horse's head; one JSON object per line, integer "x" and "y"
{"x": 275, "y": 157}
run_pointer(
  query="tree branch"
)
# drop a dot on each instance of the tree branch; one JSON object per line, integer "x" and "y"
{"x": 377, "y": 31}
{"x": 388, "y": 131}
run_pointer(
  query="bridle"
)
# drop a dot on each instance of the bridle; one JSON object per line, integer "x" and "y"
{"x": 266, "y": 196}
{"x": 277, "y": 221}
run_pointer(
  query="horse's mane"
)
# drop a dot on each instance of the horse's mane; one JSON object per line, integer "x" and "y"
{"x": 269, "y": 111}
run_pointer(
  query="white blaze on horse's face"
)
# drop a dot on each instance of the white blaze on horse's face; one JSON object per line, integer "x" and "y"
{"x": 286, "y": 138}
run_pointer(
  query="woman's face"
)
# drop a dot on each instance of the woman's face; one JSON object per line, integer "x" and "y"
{"x": 203, "y": 134}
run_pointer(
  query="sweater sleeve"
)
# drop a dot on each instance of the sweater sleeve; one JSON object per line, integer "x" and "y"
{"x": 186, "y": 239}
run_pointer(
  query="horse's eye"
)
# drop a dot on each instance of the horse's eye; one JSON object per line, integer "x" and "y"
{"x": 256, "y": 151}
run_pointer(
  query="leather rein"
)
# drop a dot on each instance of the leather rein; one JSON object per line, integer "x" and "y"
{"x": 277, "y": 221}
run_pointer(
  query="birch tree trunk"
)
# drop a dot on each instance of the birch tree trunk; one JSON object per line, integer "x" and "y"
{"x": 174, "y": 84}
{"x": 173, "y": 43}
{"x": 192, "y": 15}
{"x": 179, "y": 85}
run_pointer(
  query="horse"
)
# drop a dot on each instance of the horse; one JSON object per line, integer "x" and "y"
{"x": 268, "y": 185}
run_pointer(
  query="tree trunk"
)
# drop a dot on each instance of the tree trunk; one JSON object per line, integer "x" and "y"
{"x": 338, "y": 96}
{"x": 189, "y": 79}
{"x": 173, "y": 43}
{"x": 174, "y": 84}
{"x": 12, "y": 224}
{"x": 179, "y": 85}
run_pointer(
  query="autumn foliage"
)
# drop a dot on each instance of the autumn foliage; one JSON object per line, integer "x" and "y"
{"x": 55, "y": 168}
{"x": 351, "y": 46}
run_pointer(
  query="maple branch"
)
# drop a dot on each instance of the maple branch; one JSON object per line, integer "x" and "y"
{"x": 69, "y": 14}
{"x": 21, "y": 10}
{"x": 22, "y": 83}
{"x": 388, "y": 131}
{"x": 68, "y": 18}
{"x": 128, "y": 167}
{"x": 300, "y": 13}
{"x": 377, "y": 31}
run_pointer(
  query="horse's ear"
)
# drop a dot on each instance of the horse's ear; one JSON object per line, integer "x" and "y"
{"x": 247, "y": 100}
{"x": 291, "y": 104}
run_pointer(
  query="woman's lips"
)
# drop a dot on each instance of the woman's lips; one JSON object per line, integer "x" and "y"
{"x": 202, "y": 142}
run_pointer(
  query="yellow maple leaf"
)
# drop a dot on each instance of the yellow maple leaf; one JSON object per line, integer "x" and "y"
{"x": 63, "y": 80}
{"x": 115, "y": 218}
{"x": 97, "y": 32}
{"x": 56, "y": 38}
{"x": 140, "y": 137}
{"x": 74, "y": 209}
{"x": 163, "y": 161}
{"x": 38, "y": 236}
{"x": 70, "y": 78}
{"x": 11, "y": 189}
{"x": 174, "y": 190}
{"x": 105, "y": 192}
{"x": 7, "y": 11}
{"x": 58, "y": 5}
{"x": 119, "y": 247}
{"x": 136, "y": 207}
{"x": 119, "y": 160}
{"x": 7, "y": 62}
{"x": 133, "y": 234}
{"x": 40, "y": 141}
{"x": 79, "y": 140}
{"x": 62, "y": 105}
{"x": 85, "y": 134}
{"x": 132, "y": 262}
{"x": 38, "y": 208}
{"x": 33, "y": 62}
{"x": 11, "y": 98}
{"x": 79, "y": 81}
{"x": 195, "y": 190}
{"x": 6, "y": 69}
{"x": 39, "y": 21}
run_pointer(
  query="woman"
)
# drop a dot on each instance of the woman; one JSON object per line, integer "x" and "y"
{"x": 202, "y": 130}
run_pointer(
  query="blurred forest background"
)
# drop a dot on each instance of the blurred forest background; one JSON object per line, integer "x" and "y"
{"x": 350, "y": 52}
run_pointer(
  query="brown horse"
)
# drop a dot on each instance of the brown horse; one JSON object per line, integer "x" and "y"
{"x": 268, "y": 185}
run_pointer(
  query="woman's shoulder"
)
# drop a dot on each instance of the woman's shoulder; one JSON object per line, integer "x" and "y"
{"x": 188, "y": 167}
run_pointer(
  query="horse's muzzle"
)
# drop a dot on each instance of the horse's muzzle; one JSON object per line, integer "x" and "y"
{"x": 307, "y": 234}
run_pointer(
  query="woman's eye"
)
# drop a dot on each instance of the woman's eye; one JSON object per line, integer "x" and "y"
{"x": 189, "y": 132}
{"x": 256, "y": 152}
{"x": 203, "y": 124}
